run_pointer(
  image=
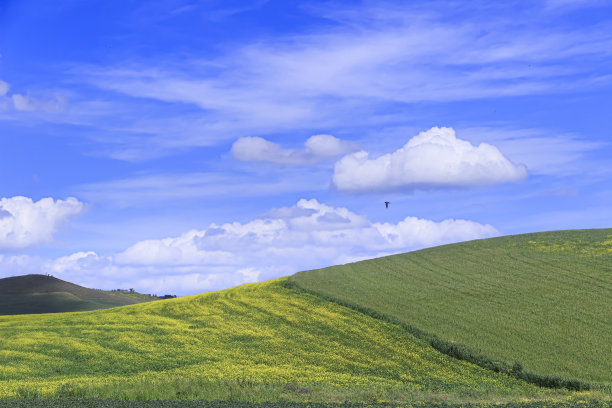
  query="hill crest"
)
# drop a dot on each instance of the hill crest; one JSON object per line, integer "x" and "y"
{"x": 36, "y": 293}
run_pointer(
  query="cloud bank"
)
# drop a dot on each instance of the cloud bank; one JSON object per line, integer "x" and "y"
{"x": 284, "y": 241}
{"x": 432, "y": 159}
{"x": 311, "y": 232}
{"x": 317, "y": 148}
{"x": 25, "y": 223}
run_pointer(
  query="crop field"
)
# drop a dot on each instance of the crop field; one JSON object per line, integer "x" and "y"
{"x": 544, "y": 299}
{"x": 97, "y": 403}
{"x": 253, "y": 342}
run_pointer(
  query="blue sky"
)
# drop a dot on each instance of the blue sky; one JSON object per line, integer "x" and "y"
{"x": 184, "y": 146}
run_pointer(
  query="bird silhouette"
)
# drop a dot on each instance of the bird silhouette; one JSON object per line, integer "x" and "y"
{"x": 386, "y": 204}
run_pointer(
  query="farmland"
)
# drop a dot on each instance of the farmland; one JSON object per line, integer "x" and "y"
{"x": 97, "y": 403}
{"x": 544, "y": 299}
{"x": 253, "y": 342}
{"x": 357, "y": 334}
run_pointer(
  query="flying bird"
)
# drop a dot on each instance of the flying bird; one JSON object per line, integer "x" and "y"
{"x": 386, "y": 204}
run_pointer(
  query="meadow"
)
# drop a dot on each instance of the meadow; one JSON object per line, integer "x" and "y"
{"x": 256, "y": 342}
{"x": 97, "y": 403}
{"x": 31, "y": 294}
{"x": 395, "y": 330}
{"x": 57, "y": 302}
{"x": 541, "y": 300}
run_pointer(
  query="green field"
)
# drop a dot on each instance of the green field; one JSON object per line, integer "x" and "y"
{"x": 45, "y": 294}
{"x": 340, "y": 334}
{"x": 97, "y": 403}
{"x": 544, "y": 299}
{"x": 253, "y": 342}
{"x": 54, "y": 302}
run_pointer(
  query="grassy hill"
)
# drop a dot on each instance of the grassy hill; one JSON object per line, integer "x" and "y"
{"x": 542, "y": 299}
{"x": 46, "y": 294}
{"x": 284, "y": 344}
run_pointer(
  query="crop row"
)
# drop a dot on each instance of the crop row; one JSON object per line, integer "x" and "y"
{"x": 541, "y": 300}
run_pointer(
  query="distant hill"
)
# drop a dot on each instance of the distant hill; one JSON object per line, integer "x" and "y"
{"x": 30, "y": 294}
{"x": 542, "y": 299}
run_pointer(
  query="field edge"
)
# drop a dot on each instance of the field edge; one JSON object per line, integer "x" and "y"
{"x": 457, "y": 350}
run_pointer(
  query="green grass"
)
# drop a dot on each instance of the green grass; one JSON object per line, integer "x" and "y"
{"x": 45, "y": 294}
{"x": 56, "y": 302}
{"x": 106, "y": 403}
{"x": 544, "y": 299}
{"x": 245, "y": 343}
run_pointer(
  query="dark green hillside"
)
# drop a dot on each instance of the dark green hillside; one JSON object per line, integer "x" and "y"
{"x": 542, "y": 299}
{"x": 45, "y": 294}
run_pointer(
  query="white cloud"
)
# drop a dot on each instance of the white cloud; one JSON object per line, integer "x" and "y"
{"x": 540, "y": 150}
{"x": 77, "y": 262}
{"x": 5, "y": 101}
{"x": 432, "y": 159}
{"x": 284, "y": 241}
{"x": 182, "y": 250}
{"x": 24, "y": 223}
{"x": 50, "y": 103}
{"x": 348, "y": 74}
{"x": 22, "y": 103}
{"x": 155, "y": 188}
{"x": 317, "y": 148}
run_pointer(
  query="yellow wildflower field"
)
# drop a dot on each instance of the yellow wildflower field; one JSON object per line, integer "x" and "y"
{"x": 263, "y": 331}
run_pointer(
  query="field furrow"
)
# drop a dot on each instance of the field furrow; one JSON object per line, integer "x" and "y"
{"x": 542, "y": 299}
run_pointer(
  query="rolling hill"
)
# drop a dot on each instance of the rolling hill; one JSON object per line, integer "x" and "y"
{"x": 259, "y": 334}
{"x": 45, "y": 294}
{"x": 543, "y": 299}
{"x": 358, "y": 332}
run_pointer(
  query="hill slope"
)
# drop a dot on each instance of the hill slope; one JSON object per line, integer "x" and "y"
{"x": 46, "y": 294}
{"x": 264, "y": 332}
{"x": 542, "y": 299}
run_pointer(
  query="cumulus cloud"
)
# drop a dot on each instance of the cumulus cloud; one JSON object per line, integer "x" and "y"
{"x": 286, "y": 240}
{"x": 182, "y": 250}
{"x": 25, "y": 223}
{"x": 432, "y": 159}
{"x": 316, "y": 148}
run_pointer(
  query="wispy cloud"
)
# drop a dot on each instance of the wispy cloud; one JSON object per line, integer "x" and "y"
{"x": 565, "y": 5}
{"x": 139, "y": 191}
{"x": 424, "y": 60}
{"x": 49, "y": 102}
{"x": 349, "y": 73}
{"x": 543, "y": 152}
